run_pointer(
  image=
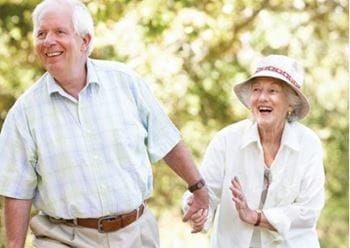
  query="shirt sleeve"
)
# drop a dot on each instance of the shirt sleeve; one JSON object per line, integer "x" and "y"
{"x": 17, "y": 157}
{"x": 305, "y": 210}
{"x": 213, "y": 171}
{"x": 162, "y": 135}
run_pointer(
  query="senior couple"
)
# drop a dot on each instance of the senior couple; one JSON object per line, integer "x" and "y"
{"x": 78, "y": 145}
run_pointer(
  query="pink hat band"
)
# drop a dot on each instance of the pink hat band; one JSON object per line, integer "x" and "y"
{"x": 279, "y": 71}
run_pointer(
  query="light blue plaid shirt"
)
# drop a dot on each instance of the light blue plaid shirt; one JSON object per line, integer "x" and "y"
{"x": 86, "y": 158}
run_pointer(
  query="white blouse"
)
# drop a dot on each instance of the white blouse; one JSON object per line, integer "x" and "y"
{"x": 296, "y": 192}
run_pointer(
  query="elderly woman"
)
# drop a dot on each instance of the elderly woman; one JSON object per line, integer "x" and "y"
{"x": 265, "y": 174}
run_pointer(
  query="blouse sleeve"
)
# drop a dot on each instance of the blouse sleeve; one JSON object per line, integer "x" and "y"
{"x": 213, "y": 171}
{"x": 305, "y": 210}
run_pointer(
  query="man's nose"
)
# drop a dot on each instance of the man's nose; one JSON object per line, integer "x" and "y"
{"x": 49, "y": 39}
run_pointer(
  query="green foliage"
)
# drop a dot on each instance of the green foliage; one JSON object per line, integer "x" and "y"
{"x": 192, "y": 53}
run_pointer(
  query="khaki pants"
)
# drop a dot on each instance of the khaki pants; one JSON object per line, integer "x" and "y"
{"x": 142, "y": 233}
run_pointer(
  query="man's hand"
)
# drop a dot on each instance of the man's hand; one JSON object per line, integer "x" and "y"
{"x": 198, "y": 209}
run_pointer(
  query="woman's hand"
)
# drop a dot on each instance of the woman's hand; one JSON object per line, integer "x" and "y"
{"x": 245, "y": 213}
{"x": 198, "y": 219}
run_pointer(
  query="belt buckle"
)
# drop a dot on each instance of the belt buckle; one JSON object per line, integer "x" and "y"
{"x": 101, "y": 219}
{"x": 138, "y": 210}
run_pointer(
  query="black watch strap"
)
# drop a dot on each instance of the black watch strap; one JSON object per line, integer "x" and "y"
{"x": 197, "y": 185}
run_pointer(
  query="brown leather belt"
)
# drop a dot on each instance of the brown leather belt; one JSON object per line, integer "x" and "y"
{"x": 109, "y": 223}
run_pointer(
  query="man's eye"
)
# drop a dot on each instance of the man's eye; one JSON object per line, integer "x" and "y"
{"x": 40, "y": 35}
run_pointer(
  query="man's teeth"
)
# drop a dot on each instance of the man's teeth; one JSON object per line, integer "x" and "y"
{"x": 53, "y": 54}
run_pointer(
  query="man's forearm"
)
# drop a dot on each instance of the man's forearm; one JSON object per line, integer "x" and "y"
{"x": 17, "y": 213}
{"x": 180, "y": 161}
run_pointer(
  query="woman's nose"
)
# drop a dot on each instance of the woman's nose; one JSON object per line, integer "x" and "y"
{"x": 263, "y": 96}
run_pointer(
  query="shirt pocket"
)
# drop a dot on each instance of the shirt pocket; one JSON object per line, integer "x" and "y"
{"x": 128, "y": 143}
{"x": 287, "y": 193}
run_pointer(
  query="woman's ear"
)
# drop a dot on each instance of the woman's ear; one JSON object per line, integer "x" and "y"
{"x": 290, "y": 109}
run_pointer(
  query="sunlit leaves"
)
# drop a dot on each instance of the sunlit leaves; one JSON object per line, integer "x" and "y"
{"x": 191, "y": 52}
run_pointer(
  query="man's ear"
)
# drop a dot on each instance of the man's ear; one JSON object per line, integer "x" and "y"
{"x": 86, "y": 42}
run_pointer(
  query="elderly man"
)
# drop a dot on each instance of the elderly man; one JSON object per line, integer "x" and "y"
{"x": 78, "y": 145}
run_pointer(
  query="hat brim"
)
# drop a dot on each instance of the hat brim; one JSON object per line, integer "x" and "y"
{"x": 242, "y": 91}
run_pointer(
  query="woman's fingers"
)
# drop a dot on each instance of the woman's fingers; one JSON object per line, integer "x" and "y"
{"x": 236, "y": 183}
{"x": 238, "y": 196}
{"x": 198, "y": 220}
{"x": 237, "y": 193}
{"x": 197, "y": 214}
{"x": 200, "y": 216}
{"x": 238, "y": 202}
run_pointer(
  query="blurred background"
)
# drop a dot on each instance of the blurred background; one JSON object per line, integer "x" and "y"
{"x": 192, "y": 52}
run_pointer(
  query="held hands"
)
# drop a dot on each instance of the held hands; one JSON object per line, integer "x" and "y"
{"x": 245, "y": 213}
{"x": 197, "y": 211}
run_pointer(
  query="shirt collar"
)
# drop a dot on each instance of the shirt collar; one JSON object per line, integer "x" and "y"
{"x": 92, "y": 78}
{"x": 289, "y": 137}
{"x": 250, "y": 134}
{"x": 92, "y": 75}
{"x": 52, "y": 86}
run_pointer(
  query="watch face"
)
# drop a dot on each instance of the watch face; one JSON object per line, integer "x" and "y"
{"x": 196, "y": 186}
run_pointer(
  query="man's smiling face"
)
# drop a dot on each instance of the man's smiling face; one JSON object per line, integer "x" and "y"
{"x": 57, "y": 44}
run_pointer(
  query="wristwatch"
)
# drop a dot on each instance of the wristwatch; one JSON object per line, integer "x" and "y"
{"x": 259, "y": 212}
{"x": 197, "y": 185}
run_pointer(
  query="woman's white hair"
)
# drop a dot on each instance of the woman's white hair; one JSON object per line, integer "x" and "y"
{"x": 294, "y": 101}
{"x": 292, "y": 97}
{"x": 81, "y": 17}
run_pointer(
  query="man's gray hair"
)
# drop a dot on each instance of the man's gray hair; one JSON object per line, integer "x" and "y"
{"x": 81, "y": 17}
